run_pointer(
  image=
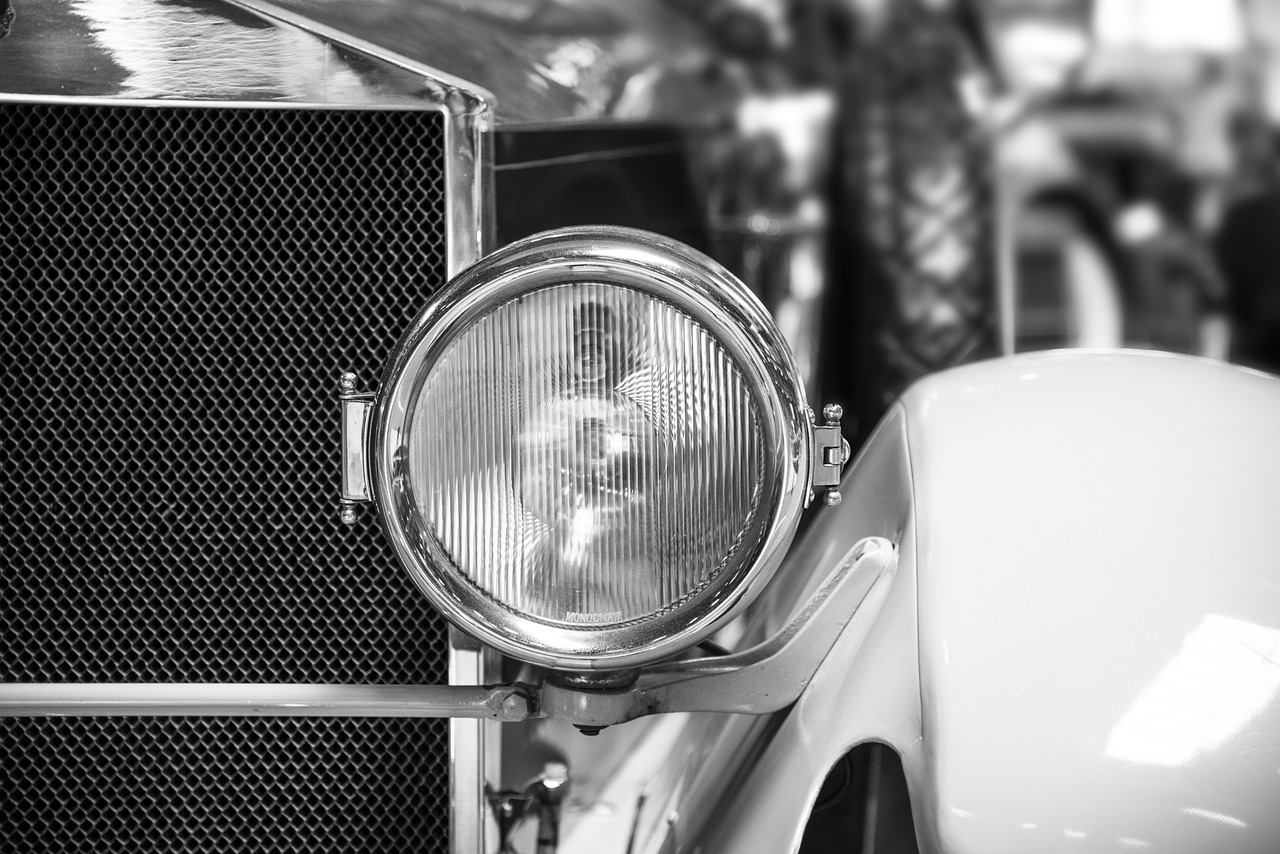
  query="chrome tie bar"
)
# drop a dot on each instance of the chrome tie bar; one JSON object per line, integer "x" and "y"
{"x": 761, "y": 680}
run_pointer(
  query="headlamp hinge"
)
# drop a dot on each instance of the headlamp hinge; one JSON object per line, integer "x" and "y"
{"x": 356, "y": 408}
{"x": 830, "y": 453}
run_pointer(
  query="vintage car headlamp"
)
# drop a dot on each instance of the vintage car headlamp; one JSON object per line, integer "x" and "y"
{"x": 591, "y": 448}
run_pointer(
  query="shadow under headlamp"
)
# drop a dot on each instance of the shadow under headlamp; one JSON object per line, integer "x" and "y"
{"x": 590, "y": 450}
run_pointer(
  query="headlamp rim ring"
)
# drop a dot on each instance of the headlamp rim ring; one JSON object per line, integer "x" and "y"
{"x": 668, "y": 271}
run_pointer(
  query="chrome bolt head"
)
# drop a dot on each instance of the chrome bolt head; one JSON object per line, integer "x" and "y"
{"x": 833, "y": 412}
{"x": 515, "y": 707}
{"x": 832, "y": 498}
{"x": 347, "y": 381}
{"x": 348, "y": 514}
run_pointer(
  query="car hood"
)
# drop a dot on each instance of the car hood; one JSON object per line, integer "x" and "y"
{"x": 540, "y": 60}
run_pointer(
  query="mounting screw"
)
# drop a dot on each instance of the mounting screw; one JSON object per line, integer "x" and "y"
{"x": 833, "y": 412}
{"x": 348, "y": 514}
{"x": 832, "y": 498}
{"x": 348, "y": 382}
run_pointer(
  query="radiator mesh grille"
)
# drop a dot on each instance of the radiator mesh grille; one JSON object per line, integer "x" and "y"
{"x": 180, "y": 288}
{"x": 225, "y": 785}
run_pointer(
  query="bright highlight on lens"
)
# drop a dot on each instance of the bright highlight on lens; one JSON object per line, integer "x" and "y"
{"x": 587, "y": 455}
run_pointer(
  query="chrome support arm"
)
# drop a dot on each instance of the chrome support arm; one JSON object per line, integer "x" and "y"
{"x": 764, "y": 679}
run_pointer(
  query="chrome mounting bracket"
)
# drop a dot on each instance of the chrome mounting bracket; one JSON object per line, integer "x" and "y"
{"x": 357, "y": 406}
{"x": 830, "y": 453}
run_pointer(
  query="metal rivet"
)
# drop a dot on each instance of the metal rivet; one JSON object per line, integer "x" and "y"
{"x": 348, "y": 514}
{"x": 833, "y": 412}
{"x": 833, "y": 498}
{"x": 347, "y": 381}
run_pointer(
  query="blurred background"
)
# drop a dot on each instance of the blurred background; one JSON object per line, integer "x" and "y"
{"x": 1006, "y": 175}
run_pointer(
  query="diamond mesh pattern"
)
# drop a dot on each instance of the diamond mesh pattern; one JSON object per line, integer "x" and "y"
{"x": 179, "y": 290}
{"x": 224, "y": 784}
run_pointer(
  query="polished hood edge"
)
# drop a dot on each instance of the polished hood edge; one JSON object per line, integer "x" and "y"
{"x": 457, "y": 87}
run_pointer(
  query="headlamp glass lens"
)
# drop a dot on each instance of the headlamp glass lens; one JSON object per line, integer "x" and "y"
{"x": 587, "y": 455}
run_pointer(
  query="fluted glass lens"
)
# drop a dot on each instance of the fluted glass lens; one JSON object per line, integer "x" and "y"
{"x": 587, "y": 455}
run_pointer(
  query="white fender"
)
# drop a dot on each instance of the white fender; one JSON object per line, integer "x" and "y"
{"x": 1082, "y": 648}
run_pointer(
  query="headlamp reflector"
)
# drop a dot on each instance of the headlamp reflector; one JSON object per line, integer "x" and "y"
{"x": 587, "y": 455}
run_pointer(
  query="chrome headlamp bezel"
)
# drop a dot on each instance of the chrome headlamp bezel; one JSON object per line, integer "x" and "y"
{"x": 669, "y": 271}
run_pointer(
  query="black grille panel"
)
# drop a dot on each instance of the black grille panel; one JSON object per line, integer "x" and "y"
{"x": 180, "y": 288}
{"x": 224, "y": 785}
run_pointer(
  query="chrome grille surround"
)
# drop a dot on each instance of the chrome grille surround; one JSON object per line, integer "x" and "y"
{"x": 226, "y": 499}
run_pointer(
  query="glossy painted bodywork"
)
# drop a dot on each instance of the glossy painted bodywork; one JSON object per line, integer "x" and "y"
{"x": 867, "y": 693}
{"x": 1098, "y": 562}
{"x": 553, "y": 60}
{"x": 1082, "y": 650}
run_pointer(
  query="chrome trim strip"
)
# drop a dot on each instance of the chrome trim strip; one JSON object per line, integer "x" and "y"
{"x": 220, "y": 104}
{"x": 474, "y": 747}
{"x": 261, "y": 700}
{"x": 1006, "y": 268}
{"x": 469, "y": 211}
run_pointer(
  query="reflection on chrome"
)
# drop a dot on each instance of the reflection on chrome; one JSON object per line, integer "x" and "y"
{"x": 1220, "y": 818}
{"x": 1226, "y": 672}
{"x": 1130, "y": 842}
{"x": 569, "y": 62}
{"x": 169, "y": 48}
